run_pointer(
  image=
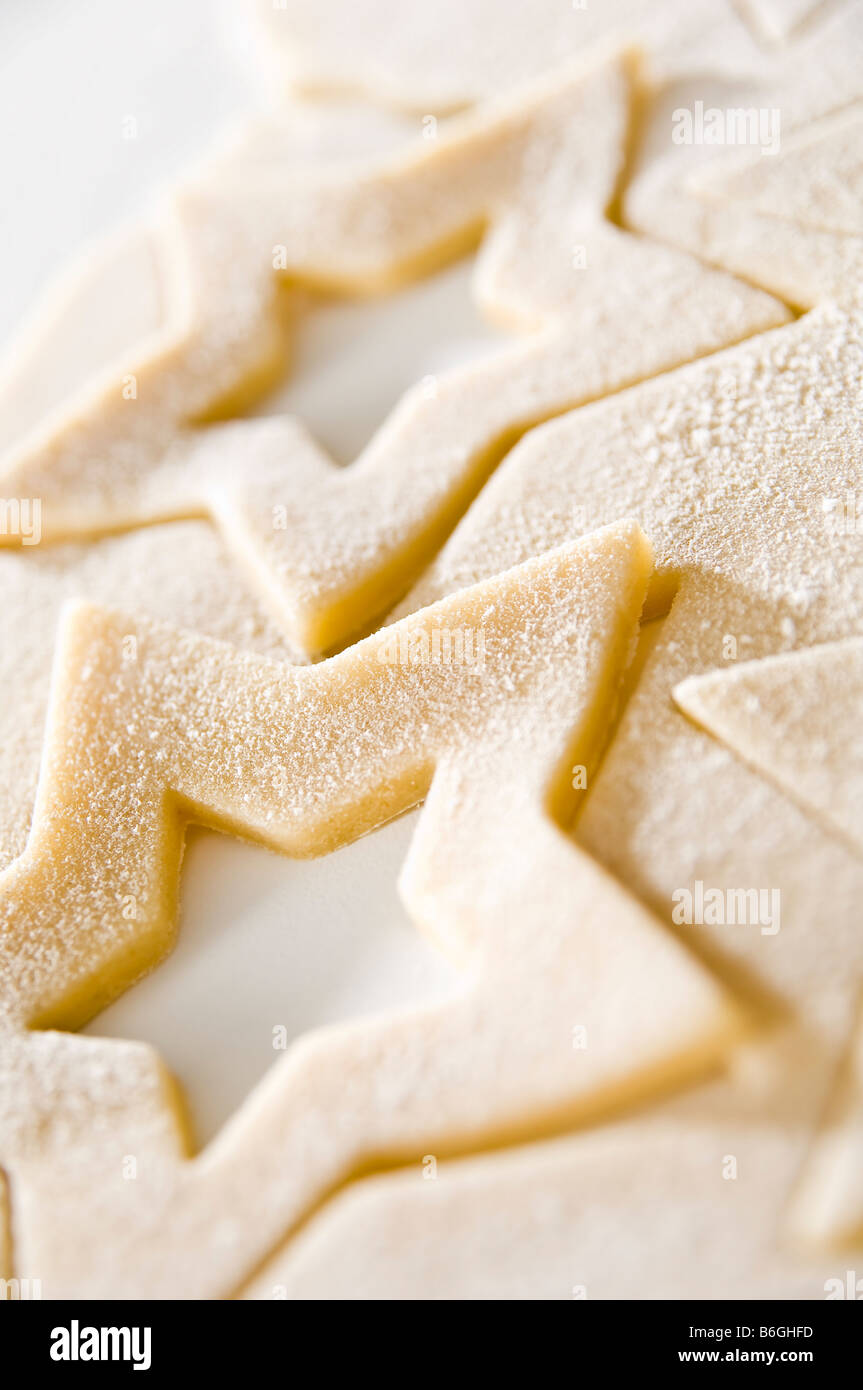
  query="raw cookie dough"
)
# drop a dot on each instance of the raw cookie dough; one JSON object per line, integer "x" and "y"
{"x": 804, "y": 1046}
{"x": 780, "y": 20}
{"x": 435, "y": 58}
{"x": 795, "y": 719}
{"x": 329, "y": 547}
{"x": 735, "y": 467}
{"x": 143, "y": 736}
{"x": 828, "y": 1201}
{"x": 712, "y": 199}
{"x": 121, "y": 294}
{"x": 646, "y": 1209}
{"x": 178, "y": 572}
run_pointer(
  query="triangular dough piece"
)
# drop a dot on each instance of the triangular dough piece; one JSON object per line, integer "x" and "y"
{"x": 814, "y": 181}
{"x": 303, "y": 760}
{"x": 796, "y": 720}
{"x": 801, "y": 262}
{"x": 122, "y": 294}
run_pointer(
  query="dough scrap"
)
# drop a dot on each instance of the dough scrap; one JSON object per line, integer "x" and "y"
{"x": 332, "y": 548}
{"x": 795, "y": 719}
{"x": 304, "y": 759}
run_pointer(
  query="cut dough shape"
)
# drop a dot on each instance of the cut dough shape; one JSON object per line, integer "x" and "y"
{"x": 778, "y": 20}
{"x": 304, "y": 759}
{"x": 796, "y": 720}
{"x": 121, "y": 294}
{"x": 130, "y": 298}
{"x": 179, "y": 572}
{"x": 5, "y": 1232}
{"x": 129, "y": 1071}
{"x": 611, "y": 1214}
{"x": 732, "y": 466}
{"x": 76, "y": 332}
{"x": 424, "y": 58}
{"x": 331, "y": 548}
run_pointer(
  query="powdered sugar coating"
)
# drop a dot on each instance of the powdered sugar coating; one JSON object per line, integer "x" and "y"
{"x": 304, "y": 759}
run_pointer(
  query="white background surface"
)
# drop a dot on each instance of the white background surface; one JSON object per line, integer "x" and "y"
{"x": 264, "y": 941}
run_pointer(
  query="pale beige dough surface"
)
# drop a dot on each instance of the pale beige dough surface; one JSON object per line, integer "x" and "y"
{"x": 634, "y": 1210}
{"x": 663, "y": 810}
{"x": 794, "y": 719}
{"x": 732, "y": 466}
{"x": 828, "y": 1200}
{"x": 92, "y": 318}
{"x": 322, "y": 545}
{"x": 780, "y": 20}
{"x": 815, "y": 180}
{"x": 304, "y": 759}
{"x": 434, "y": 58}
{"x": 178, "y": 572}
{"x": 330, "y": 548}
{"x": 785, "y": 221}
